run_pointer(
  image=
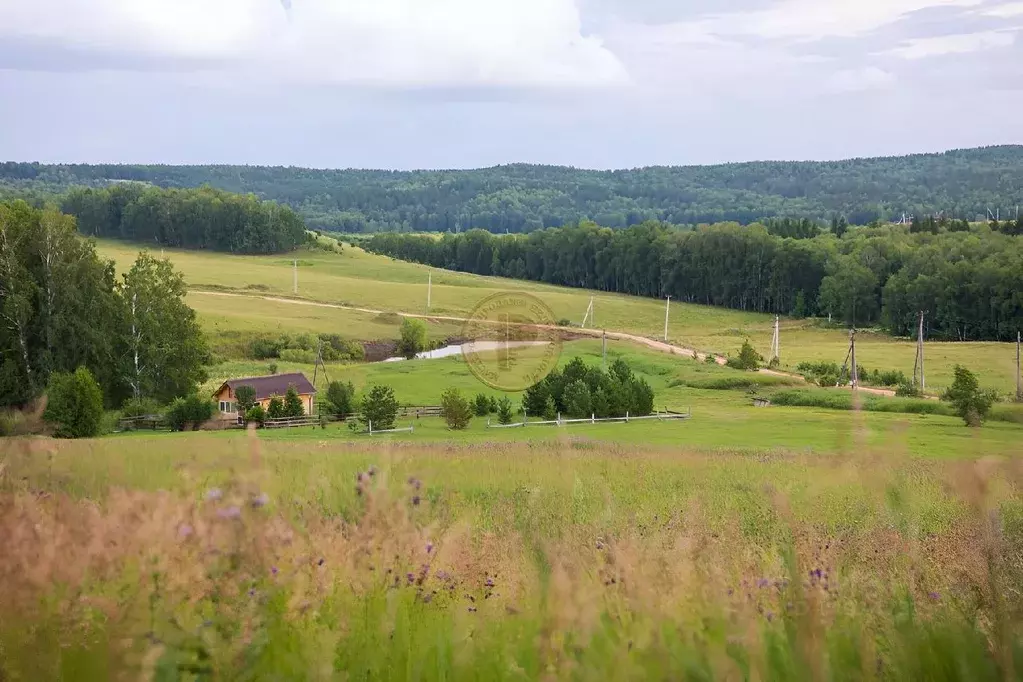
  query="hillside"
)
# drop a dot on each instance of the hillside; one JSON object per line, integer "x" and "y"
{"x": 520, "y": 198}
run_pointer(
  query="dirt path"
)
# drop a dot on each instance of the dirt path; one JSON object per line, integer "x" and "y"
{"x": 593, "y": 333}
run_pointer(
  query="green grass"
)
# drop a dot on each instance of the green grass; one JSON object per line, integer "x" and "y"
{"x": 365, "y": 280}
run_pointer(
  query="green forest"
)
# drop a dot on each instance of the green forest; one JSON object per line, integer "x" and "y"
{"x": 523, "y": 198}
{"x": 968, "y": 278}
{"x": 203, "y": 218}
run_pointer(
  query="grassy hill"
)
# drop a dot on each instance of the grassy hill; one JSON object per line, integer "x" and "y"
{"x": 361, "y": 280}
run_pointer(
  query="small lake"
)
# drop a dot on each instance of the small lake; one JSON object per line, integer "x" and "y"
{"x": 476, "y": 346}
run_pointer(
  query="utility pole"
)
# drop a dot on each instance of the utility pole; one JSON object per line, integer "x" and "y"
{"x": 294, "y": 276}
{"x": 429, "y": 290}
{"x": 776, "y": 341}
{"x": 589, "y": 314}
{"x": 1019, "y": 375}
{"x": 854, "y": 372}
{"x": 667, "y": 308}
{"x": 920, "y": 355}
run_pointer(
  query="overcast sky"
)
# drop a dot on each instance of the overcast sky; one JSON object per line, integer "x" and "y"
{"x": 467, "y": 83}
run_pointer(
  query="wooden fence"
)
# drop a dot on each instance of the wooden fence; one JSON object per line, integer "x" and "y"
{"x": 666, "y": 415}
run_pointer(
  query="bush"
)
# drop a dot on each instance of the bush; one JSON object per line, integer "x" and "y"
{"x": 340, "y": 400}
{"x": 272, "y": 368}
{"x": 748, "y": 360}
{"x": 275, "y": 410}
{"x": 642, "y": 399}
{"x": 907, "y": 390}
{"x": 455, "y": 409}
{"x": 264, "y": 348}
{"x": 191, "y": 412}
{"x": 577, "y": 400}
{"x": 970, "y": 401}
{"x": 293, "y": 406}
{"x": 380, "y": 408}
{"x": 303, "y": 357}
{"x": 74, "y": 404}
{"x": 255, "y": 415}
{"x": 504, "y": 410}
{"x": 140, "y": 407}
{"x": 413, "y": 338}
{"x": 483, "y": 405}
{"x": 336, "y": 349}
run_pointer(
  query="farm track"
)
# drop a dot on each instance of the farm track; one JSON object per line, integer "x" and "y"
{"x": 593, "y": 333}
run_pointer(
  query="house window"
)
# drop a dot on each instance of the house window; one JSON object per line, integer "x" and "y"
{"x": 227, "y": 406}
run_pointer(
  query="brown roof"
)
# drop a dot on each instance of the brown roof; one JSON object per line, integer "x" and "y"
{"x": 276, "y": 384}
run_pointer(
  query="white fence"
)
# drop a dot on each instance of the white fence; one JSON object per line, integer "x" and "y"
{"x": 659, "y": 416}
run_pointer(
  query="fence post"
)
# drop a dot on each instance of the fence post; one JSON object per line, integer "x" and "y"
{"x": 559, "y": 419}
{"x": 626, "y": 416}
{"x": 593, "y": 418}
{"x": 369, "y": 422}
{"x": 411, "y": 427}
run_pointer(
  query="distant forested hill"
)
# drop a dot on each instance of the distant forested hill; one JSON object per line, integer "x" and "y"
{"x": 522, "y": 198}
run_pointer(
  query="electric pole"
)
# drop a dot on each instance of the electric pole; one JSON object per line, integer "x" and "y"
{"x": 429, "y": 290}
{"x": 667, "y": 308}
{"x": 854, "y": 373}
{"x": 1019, "y": 375}
{"x": 776, "y": 341}
{"x": 294, "y": 276}
{"x": 603, "y": 351}
{"x": 918, "y": 364}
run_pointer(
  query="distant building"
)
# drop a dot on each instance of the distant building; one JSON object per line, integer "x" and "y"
{"x": 266, "y": 387}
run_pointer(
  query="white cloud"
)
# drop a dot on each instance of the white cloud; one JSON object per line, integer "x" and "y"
{"x": 860, "y": 80}
{"x": 1012, "y": 9}
{"x": 381, "y": 42}
{"x": 814, "y": 19}
{"x": 921, "y": 48}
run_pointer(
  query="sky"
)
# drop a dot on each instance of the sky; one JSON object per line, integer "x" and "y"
{"x": 470, "y": 83}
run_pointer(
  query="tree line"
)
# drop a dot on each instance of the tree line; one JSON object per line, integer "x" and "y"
{"x": 63, "y": 308}
{"x": 203, "y": 218}
{"x": 523, "y": 198}
{"x": 969, "y": 283}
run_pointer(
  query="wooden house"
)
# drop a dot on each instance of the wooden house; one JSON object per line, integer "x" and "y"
{"x": 266, "y": 387}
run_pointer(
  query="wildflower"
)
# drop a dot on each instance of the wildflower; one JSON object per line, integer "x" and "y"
{"x": 770, "y": 616}
{"x": 184, "y": 530}
{"x": 410, "y": 577}
{"x": 489, "y": 582}
{"x": 763, "y": 582}
{"x": 252, "y": 592}
{"x": 934, "y": 596}
{"x": 231, "y": 512}
{"x": 273, "y": 570}
{"x": 260, "y": 500}
{"x": 600, "y": 544}
{"x": 360, "y": 477}
{"x": 214, "y": 495}
{"x": 415, "y": 500}
{"x": 372, "y": 471}
{"x": 321, "y": 561}
{"x": 429, "y": 547}
{"x": 427, "y": 598}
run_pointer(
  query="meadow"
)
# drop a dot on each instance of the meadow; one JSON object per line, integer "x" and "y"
{"x": 361, "y": 280}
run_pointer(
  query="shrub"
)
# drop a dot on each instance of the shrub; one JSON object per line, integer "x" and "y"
{"x": 140, "y": 407}
{"x": 245, "y": 396}
{"x": 264, "y": 348}
{"x": 504, "y": 410}
{"x": 907, "y": 390}
{"x": 74, "y": 404}
{"x": 748, "y": 360}
{"x": 380, "y": 408}
{"x": 550, "y": 409}
{"x": 293, "y": 406}
{"x": 190, "y": 412}
{"x": 970, "y": 401}
{"x": 642, "y": 402}
{"x": 340, "y": 399}
{"x": 272, "y": 368}
{"x": 304, "y": 357}
{"x": 275, "y": 410}
{"x": 455, "y": 409}
{"x": 577, "y": 400}
{"x": 255, "y": 415}
{"x": 335, "y": 349}
{"x": 413, "y": 338}
{"x": 482, "y": 405}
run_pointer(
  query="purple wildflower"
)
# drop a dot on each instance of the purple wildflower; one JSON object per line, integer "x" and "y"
{"x": 252, "y": 592}
{"x": 429, "y": 547}
{"x": 763, "y": 582}
{"x": 934, "y": 596}
{"x": 231, "y": 512}
{"x": 489, "y": 582}
{"x": 214, "y": 494}
{"x": 273, "y": 570}
{"x": 770, "y": 616}
{"x": 184, "y": 530}
{"x": 410, "y": 577}
{"x": 372, "y": 471}
{"x": 260, "y": 500}
{"x": 415, "y": 500}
